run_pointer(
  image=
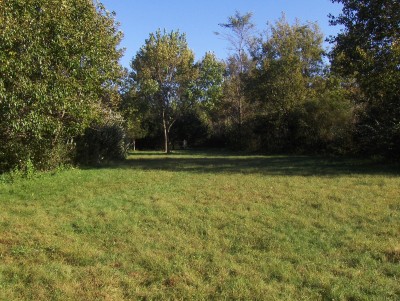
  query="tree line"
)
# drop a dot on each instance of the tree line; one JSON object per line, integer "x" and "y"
{"x": 64, "y": 98}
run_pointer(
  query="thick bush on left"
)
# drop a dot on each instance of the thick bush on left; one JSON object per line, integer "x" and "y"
{"x": 58, "y": 65}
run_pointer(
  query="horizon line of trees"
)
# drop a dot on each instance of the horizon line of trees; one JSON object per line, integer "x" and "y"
{"x": 64, "y": 97}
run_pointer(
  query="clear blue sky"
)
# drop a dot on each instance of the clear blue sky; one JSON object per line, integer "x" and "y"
{"x": 199, "y": 19}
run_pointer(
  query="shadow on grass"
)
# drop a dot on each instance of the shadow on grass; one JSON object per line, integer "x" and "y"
{"x": 218, "y": 162}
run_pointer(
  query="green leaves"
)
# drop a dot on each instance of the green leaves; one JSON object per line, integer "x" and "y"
{"x": 368, "y": 50}
{"x": 210, "y": 81}
{"x": 57, "y": 62}
{"x": 163, "y": 72}
{"x": 289, "y": 60}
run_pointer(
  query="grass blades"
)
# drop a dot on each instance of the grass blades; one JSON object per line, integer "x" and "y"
{"x": 201, "y": 226}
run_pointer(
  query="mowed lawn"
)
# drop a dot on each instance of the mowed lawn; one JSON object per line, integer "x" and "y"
{"x": 203, "y": 226}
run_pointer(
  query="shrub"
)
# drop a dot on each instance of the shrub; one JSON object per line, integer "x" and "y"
{"x": 101, "y": 143}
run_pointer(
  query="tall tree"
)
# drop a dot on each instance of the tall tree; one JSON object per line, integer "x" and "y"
{"x": 134, "y": 110}
{"x": 240, "y": 36}
{"x": 239, "y": 32}
{"x": 58, "y": 68}
{"x": 368, "y": 49}
{"x": 210, "y": 80}
{"x": 163, "y": 72}
{"x": 201, "y": 122}
{"x": 288, "y": 62}
{"x": 209, "y": 89}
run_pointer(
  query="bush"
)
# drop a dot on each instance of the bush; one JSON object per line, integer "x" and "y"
{"x": 55, "y": 76}
{"x": 101, "y": 143}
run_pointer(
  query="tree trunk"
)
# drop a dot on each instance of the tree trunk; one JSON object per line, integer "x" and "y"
{"x": 166, "y": 140}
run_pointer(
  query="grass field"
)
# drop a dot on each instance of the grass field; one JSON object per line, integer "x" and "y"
{"x": 203, "y": 226}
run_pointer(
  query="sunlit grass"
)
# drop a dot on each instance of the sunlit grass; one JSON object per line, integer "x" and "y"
{"x": 201, "y": 226}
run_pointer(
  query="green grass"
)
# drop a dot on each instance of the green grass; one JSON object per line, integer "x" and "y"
{"x": 203, "y": 226}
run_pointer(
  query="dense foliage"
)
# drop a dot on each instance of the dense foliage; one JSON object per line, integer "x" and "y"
{"x": 276, "y": 92}
{"x": 238, "y": 32}
{"x": 163, "y": 72}
{"x": 368, "y": 49}
{"x": 58, "y": 71}
{"x": 64, "y": 96}
{"x": 101, "y": 143}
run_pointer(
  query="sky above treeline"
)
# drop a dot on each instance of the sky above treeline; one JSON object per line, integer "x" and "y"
{"x": 199, "y": 19}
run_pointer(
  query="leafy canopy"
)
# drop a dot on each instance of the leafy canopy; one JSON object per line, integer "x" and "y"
{"x": 163, "y": 72}
{"x": 368, "y": 49}
{"x": 58, "y": 66}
